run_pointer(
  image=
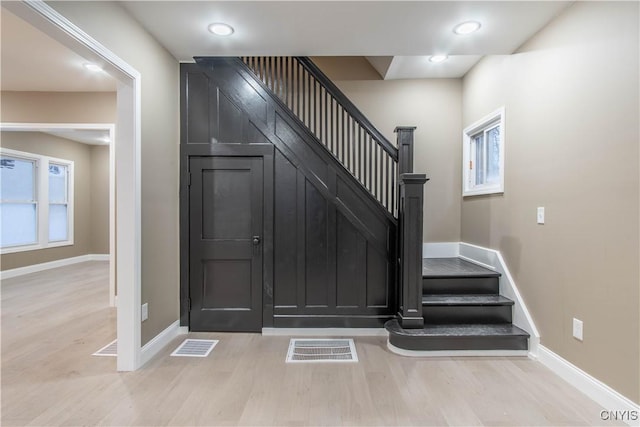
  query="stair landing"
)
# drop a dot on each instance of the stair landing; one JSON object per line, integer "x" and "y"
{"x": 458, "y": 337}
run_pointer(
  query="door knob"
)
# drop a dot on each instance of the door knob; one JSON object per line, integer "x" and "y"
{"x": 256, "y": 240}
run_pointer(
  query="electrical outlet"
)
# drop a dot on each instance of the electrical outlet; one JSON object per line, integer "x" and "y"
{"x": 577, "y": 329}
{"x": 540, "y": 215}
{"x": 145, "y": 311}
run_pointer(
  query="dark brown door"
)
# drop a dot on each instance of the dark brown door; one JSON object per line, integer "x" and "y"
{"x": 226, "y": 205}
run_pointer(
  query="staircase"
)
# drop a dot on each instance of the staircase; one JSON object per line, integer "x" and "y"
{"x": 462, "y": 310}
{"x": 348, "y": 210}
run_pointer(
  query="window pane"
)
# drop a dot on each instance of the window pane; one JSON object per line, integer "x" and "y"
{"x": 479, "y": 165}
{"x": 57, "y": 223}
{"x": 493, "y": 155}
{"x": 18, "y": 222}
{"x": 17, "y": 178}
{"x": 57, "y": 183}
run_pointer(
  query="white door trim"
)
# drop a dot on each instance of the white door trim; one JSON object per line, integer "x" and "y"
{"x": 127, "y": 163}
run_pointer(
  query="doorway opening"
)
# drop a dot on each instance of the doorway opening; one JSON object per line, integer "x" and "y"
{"x": 127, "y": 166}
{"x": 97, "y": 136}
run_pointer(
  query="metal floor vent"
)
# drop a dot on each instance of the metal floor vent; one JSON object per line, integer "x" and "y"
{"x": 110, "y": 349}
{"x": 309, "y": 350}
{"x": 195, "y": 348}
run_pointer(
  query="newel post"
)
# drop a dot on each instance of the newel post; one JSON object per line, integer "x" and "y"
{"x": 405, "y": 148}
{"x": 410, "y": 245}
{"x": 410, "y": 214}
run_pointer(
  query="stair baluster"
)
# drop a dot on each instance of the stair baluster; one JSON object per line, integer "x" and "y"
{"x": 344, "y": 131}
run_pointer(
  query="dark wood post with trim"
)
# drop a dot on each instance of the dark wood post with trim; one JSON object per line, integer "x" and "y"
{"x": 410, "y": 232}
{"x": 410, "y": 215}
{"x": 405, "y": 148}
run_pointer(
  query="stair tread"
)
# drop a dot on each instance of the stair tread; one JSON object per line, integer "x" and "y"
{"x": 454, "y": 267}
{"x": 462, "y": 299}
{"x": 462, "y": 330}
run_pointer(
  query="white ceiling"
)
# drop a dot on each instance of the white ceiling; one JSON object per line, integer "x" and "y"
{"x": 396, "y": 36}
{"x": 85, "y": 136}
{"x": 33, "y": 61}
{"x": 361, "y": 28}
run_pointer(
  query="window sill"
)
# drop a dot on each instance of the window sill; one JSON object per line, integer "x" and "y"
{"x": 482, "y": 192}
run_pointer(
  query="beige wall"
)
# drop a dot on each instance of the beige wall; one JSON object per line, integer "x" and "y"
{"x": 110, "y": 25}
{"x": 434, "y": 106}
{"x": 58, "y": 107}
{"x": 339, "y": 68}
{"x": 572, "y": 132}
{"x": 48, "y": 145}
{"x": 99, "y": 227}
{"x": 65, "y": 107}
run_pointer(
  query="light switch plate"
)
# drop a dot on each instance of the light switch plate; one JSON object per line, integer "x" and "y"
{"x": 577, "y": 329}
{"x": 540, "y": 215}
{"x": 144, "y": 313}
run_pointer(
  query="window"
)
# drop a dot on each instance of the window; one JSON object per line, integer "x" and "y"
{"x": 58, "y": 202}
{"x": 483, "y": 156}
{"x": 36, "y": 201}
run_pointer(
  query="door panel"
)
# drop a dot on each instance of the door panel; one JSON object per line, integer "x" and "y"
{"x": 226, "y": 208}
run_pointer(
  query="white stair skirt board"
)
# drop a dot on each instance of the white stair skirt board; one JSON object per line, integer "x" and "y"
{"x": 313, "y": 350}
{"x": 194, "y": 348}
{"x": 492, "y": 259}
{"x": 608, "y": 398}
{"x": 110, "y": 349}
{"x": 457, "y": 353}
{"x": 441, "y": 250}
{"x": 326, "y": 332}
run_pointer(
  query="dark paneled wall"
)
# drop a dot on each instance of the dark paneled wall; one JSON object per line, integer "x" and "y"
{"x": 333, "y": 244}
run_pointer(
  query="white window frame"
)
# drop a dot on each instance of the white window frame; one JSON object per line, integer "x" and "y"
{"x": 469, "y": 187}
{"x": 41, "y": 192}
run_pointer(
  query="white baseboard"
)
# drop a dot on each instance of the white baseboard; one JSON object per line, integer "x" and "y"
{"x": 326, "y": 332}
{"x": 160, "y": 341}
{"x": 21, "y": 271}
{"x": 456, "y": 353}
{"x": 441, "y": 250}
{"x": 99, "y": 257}
{"x": 493, "y": 260}
{"x": 598, "y": 391}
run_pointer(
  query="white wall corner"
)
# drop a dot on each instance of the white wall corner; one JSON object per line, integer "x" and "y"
{"x": 441, "y": 250}
{"x": 605, "y": 396}
{"x": 492, "y": 259}
{"x": 160, "y": 341}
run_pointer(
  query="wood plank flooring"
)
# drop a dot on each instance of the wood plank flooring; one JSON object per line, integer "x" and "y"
{"x": 52, "y": 321}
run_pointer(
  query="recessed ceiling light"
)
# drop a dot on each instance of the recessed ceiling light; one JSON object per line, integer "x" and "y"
{"x": 438, "y": 58}
{"x": 221, "y": 29}
{"x": 467, "y": 27}
{"x": 92, "y": 67}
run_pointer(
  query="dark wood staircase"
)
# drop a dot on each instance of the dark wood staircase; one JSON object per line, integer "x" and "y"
{"x": 462, "y": 310}
{"x": 438, "y": 304}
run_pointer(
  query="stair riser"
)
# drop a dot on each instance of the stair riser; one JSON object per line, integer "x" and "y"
{"x": 456, "y": 314}
{"x": 459, "y": 343}
{"x": 460, "y": 285}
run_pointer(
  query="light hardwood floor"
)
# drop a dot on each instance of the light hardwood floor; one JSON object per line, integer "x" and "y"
{"x": 53, "y": 321}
